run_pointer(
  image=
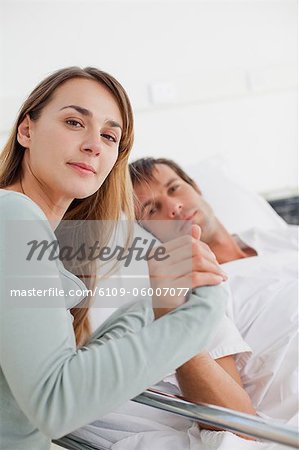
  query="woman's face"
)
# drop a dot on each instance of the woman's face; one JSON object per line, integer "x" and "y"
{"x": 73, "y": 145}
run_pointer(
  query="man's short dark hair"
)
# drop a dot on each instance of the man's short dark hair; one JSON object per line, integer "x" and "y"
{"x": 142, "y": 170}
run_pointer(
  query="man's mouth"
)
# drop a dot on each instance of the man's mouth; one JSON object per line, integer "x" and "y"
{"x": 186, "y": 222}
{"x": 190, "y": 217}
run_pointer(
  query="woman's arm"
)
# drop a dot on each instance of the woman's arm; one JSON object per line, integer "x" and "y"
{"x": 60, "y": 388}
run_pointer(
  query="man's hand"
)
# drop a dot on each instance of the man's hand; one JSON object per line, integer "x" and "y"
{"x": 190, "y": 264}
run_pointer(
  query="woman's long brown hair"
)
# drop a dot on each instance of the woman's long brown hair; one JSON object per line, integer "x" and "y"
{"x": 113, "y": 196}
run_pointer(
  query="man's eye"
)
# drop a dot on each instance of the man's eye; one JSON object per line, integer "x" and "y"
{"x": 174, "y": 188}
{"x": 109, "y": 137}
{"x": 152, "y": 211}
{"x": 74, "y": 123}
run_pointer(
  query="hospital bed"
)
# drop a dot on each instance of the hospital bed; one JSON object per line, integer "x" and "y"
{"x": 224, "y": 418}
{"x": 236, "y": 217}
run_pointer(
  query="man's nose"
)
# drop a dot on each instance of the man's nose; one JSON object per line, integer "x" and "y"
{"x": 174, "y": 209}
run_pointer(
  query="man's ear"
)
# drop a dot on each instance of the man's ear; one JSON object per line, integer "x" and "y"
{"x": 23, "y": 135}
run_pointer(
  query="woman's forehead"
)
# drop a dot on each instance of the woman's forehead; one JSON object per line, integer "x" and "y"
{"x": 89, "y": 95}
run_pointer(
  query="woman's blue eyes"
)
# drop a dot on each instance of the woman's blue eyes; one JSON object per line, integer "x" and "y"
{"x": 77, "y": 124}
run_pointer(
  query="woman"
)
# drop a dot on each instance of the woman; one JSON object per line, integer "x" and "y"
{"x": 66, "y": 158}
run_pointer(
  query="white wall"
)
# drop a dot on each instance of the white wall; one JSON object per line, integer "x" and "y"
{"x": 228, "y": 71}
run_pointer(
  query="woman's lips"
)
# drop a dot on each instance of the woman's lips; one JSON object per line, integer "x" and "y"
{"x": 82, "y": 168}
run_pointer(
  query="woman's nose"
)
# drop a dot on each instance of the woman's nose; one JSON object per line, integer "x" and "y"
{"x": 92, "y": 145}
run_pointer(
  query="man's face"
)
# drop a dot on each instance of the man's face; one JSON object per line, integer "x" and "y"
{"x": 169, "y": 198}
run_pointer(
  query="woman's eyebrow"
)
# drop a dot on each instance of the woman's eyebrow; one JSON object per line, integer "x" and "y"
{"x": 112, "y": 123}
{"x": 79, "y": 109}
{"x": 86, "y": 112}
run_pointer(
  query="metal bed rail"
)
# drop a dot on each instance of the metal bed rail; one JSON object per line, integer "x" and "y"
{"x": 211, "y": 415}
{"x": 223, "y": 418}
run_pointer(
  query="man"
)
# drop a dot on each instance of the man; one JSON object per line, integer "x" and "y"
{"x": 163, "y": 191}
{"x": 166, "y": 200}
{"x": 260, "y": 282}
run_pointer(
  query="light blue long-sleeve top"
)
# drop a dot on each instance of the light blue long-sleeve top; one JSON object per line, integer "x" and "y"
{"x": 48, "y": 387}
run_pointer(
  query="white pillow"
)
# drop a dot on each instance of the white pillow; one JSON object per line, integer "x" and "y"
{"x": 236, "y": 206}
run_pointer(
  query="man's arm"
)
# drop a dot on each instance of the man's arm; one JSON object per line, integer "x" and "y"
{"x": 203, "y": 379}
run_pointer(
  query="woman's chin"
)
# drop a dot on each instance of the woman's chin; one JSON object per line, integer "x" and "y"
{"x": 79, "y": 190}
{"x": 82, "y": 196}
{"x": 84, "y": 193}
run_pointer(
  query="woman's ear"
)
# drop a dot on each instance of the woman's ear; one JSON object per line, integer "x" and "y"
{"x": 23, "y": 135}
